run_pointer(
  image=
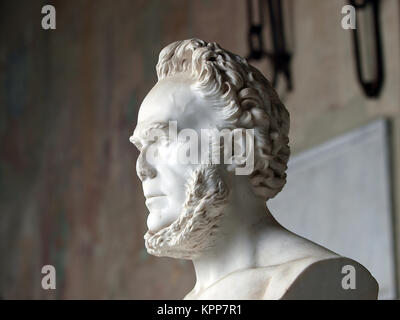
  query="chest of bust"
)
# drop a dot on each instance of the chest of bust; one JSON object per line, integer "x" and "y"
{"x": 250, "y": 284}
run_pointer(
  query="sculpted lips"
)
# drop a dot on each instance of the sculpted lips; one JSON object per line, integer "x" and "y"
{"x": 152, "y": 199}
{"x": 149, "y": 196}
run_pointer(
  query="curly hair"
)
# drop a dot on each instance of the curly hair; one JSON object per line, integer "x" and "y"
{"x": 246, "y": 100}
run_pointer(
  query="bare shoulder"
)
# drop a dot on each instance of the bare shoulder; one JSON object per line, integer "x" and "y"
{"x": 334, "y": 277}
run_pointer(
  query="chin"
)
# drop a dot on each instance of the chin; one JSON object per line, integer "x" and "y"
{"x": 155, "y": 224}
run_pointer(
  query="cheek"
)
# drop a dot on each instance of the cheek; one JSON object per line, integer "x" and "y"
{"x": 173, "y": 179}
{"x": 174, "y": 175}
{"x": 172, "y": 183}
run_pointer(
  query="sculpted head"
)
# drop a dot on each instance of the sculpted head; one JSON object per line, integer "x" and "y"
{"x": 204, "y": 88}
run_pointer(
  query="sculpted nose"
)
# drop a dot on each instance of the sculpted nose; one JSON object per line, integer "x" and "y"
{"x": 144, "y": 169}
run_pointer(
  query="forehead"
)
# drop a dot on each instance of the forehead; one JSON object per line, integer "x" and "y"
{"x": 176, "y": 99}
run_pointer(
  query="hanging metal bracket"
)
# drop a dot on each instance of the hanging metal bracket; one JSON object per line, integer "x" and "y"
{"x": 280, "y": 56}
{"x": 372, "y": 87}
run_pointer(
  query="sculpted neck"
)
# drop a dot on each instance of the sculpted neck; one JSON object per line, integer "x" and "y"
{"x": 244, "y": 221}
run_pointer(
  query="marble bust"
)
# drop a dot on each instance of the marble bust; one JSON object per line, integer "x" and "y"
{"x": 208, "y": 211}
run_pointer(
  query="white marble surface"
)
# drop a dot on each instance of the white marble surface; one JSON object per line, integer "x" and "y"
{"x": 337, "y": 195}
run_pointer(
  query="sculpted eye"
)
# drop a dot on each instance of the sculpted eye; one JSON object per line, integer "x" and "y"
{"x": 160, "y": 140}
{"x": 164, "y": 140}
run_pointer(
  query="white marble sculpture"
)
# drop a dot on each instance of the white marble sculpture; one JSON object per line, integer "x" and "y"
{"x": 209, "y": 213}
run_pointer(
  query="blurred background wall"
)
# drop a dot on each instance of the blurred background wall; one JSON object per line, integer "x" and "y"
{"x": 69, "y": 97}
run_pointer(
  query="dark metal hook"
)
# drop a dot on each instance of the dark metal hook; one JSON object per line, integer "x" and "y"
{"x": 373, "y": 87}
{"x": 280, "y": 57}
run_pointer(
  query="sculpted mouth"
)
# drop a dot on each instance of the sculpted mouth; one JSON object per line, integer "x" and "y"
{"x": 154, "y": 196}
{"x": 152, "y": 200}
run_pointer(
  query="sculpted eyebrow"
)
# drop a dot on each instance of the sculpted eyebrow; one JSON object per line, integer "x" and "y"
{"x": 145, "y": 134}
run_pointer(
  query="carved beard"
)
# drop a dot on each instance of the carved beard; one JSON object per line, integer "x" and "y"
{"x": 195, "y": 229}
